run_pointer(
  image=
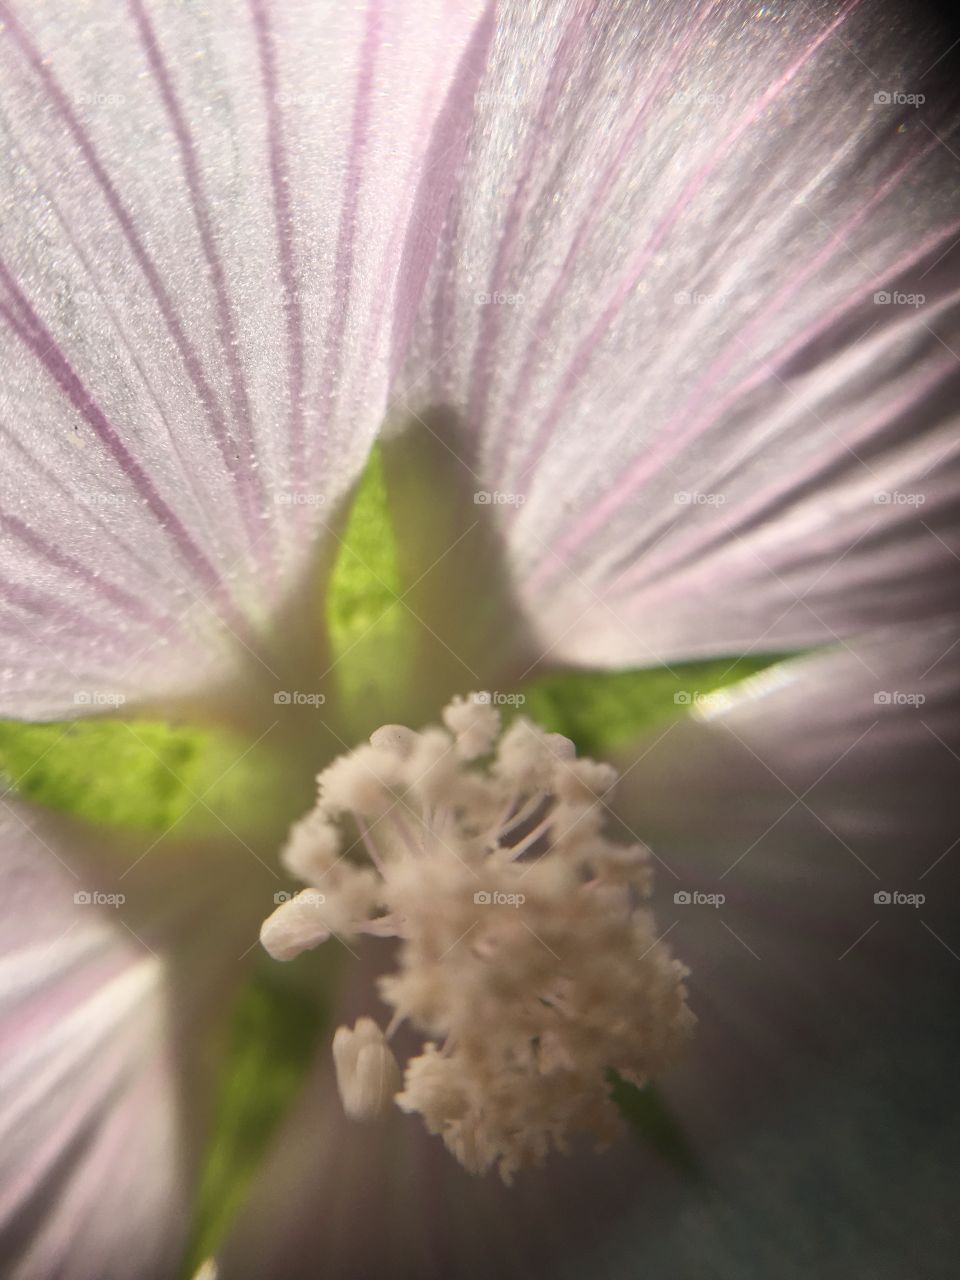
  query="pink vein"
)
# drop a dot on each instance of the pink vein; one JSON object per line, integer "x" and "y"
{"x": 38, "y": 339}
{"x": 432, "y": 203}
{"x": 43, "y": 605}
{"x": 349, "y": 207}
{"x": 51, "y": 478}
{"x": 145, "y": 262}
{"x": 674, "y": 441}
{"x": 286, "y": 235}
{"x": 633, "y": 274}
{"x": 75, "y": 568}
{"x": 784, "y": 357}
{"x": 563, "y": 60}
{"x": 548, "y": 310}
{"x": 226, "y": 324}
{"x": 776, "y": 494}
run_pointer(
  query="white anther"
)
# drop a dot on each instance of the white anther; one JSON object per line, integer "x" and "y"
{"x": 312, "y": 848}
{"x": 364, "y": 782}
{"x": 396, "y": 739}
{"x": 368, "y": 1077}
{"x": 295, "y": 926}
{"x": 527, "y": 757}
{"x": 475, "y": 723}
{"x": 582, "y": 782}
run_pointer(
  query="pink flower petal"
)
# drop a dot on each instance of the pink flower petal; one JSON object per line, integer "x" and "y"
{"x": 831, "y": 782}
{"x": 199, "y": 269}
{"x": 654, "y": 311}
{"x": 118, "y": 955}
{"x": 89, "y": 1117}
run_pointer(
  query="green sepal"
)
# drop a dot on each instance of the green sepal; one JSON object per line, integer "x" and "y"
{"x": 652, "y": 1123}
{"x": 271, "y": 1038}
{"x": 603, "y": 710}
{"x": 140, "y": 774}
{"x": 368, "y": 628}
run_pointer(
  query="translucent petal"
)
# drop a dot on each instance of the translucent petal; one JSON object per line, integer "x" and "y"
{"x": 823, "y": 809}
{"x": 199, "y": 280}
{"x": 695, "y": 311}
{"x": 117, "y": 959}
{"x": 87, "y": 1080}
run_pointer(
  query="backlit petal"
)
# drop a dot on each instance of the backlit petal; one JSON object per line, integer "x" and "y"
{"x": 695, "y": 308}
{"x": 205, "y": 215}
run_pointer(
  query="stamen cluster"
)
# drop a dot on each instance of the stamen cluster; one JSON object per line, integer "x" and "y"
{"x": 527, "y": 958}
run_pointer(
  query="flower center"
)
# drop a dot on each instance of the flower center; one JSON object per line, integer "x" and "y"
{"x": 527, "y": 958}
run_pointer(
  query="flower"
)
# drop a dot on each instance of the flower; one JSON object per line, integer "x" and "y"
{"x": 529, "y": 1035}
{"x": 669, "y": 297}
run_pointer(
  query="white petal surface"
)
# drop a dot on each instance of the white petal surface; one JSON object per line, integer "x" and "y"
{"x": 825, "y": 788}
{"x": 205, "y": 210}
{"x": 654, "y": 312}
{"x": 118, "y": 955}
{"x": 89, "y": 1129}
